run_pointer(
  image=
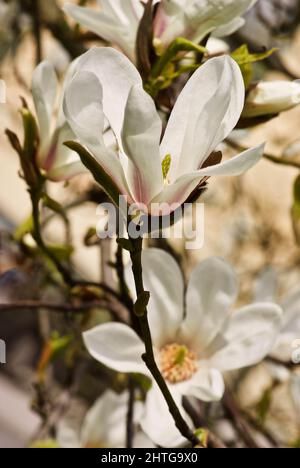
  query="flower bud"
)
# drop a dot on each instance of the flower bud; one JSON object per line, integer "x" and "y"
{"x": 272, "y": 98}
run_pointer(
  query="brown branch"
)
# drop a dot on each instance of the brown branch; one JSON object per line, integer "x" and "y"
{"x": 270, "y": 157}
{"x": 234, "y": 413}
{"x": 118, "y": 311}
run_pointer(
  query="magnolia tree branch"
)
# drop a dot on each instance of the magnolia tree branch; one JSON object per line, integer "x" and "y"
{"x": 148, "y": 357}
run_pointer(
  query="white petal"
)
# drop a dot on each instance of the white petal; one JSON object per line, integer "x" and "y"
{"x": 117, "y": 22}
{"x": 141, "y": 137}
{"x": 265, "y": 287}
{"x": 179, "y": 191}
{"x": 164, "y": 280}
{"x": 248, "y": 337}
{"x": 158, "y": 423}
{"x": 206, "y": 385}
{"x": 44, "y": 90}
{"x": 211, "y": 292}
{"x": 229, "y": 28}
{"x": 116, "y": 346}
{"x": 84, "y": 112}
{"x": 117, "y": 75}
{"x": 67, "y": 171}
{"x": 205, "y": 113}
{"x": 283, "y": 348}
{"x": 105, "y": 422}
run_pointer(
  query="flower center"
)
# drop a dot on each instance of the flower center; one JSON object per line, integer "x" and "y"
{"x": 177, "y": 363}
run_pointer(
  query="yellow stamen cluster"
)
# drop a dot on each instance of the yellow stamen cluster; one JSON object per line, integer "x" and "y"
{"x": 177, "y": 363}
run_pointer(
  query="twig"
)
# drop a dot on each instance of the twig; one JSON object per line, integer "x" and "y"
{"x": 240, "y": 423}
{"x": 270, "y": 157}
{"x": 148, "y": 357}
{"x": 118, "y": 311}
{"x": 213, "y": 440}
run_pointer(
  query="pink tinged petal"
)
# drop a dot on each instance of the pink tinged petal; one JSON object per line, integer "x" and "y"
{"x": 179, "y": 191}
{"x": 117, "y": 347}
{"x": 158, "y": 423}
{"x": 206, "y": 385}
{"x": 248, "y": 337}
{"x": 205, "y": 113}
{"x": 164, "y": 280}
{"x": 141, "y": 136}
{"x": 212, "y": 290}
{"x": 84, "y": 113}
{"x": 117, "y": 75}
{"x": 44, "y": 91}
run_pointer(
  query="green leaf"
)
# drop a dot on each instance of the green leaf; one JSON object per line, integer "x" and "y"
{"x": 202, "y": 435}
{"x": 178, "y": 45}
{"x": 245, "y": 61}
{"x": 99, "y": 174}
{"x": 26, "y": 227}
{"x": 61, "y": 252}
{"x": 166, "y": 164}
{"x": 243, "y": 57}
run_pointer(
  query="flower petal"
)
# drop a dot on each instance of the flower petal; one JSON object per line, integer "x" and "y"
{"x": 44, "y": 91}
{"x": 117, "y": 22}
{"x": 117, "y": 75}
{"x": 266, "y": 286}
{"x": 141, "y": 137}
{"x": 205, "y": 113}
{"x": 111, "y": 409}
{"x": 211, "y": 292}
{"x": 116, "y": 346}
{"x": 179, "y": 191}
{"x": 248, "y": 337}
{"x": 206, "y": 385}
{"x": 157, "y": 421}
{"x": 164, "y": 280}
{"x": 84, "y": 113}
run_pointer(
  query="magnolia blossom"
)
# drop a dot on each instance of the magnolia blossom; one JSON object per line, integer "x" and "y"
{"x": 117, "y": 21}
{"x": 55, "y": 159}
{"x": 196, "y": 337}
{"x": 265, "y": 290}
{"x": 103, "y": 426}
{"x": 107, "y": 87}
{"x": 195, "y": 19}
{"x": 272, "y": 98}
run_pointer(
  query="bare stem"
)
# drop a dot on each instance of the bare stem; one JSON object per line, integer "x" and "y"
{"x": 148, "y": 357}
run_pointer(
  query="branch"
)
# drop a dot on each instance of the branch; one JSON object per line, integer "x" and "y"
{"x": 270, "y": 157}
{"x": 118, "y": 311}
{"x": 148, "y": 357}
{"x": 241, "y": 425}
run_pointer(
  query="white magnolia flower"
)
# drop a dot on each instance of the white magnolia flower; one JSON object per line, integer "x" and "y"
{"x": 58, "y": 162}
{"x": 272, "y": 98}
{"x": 103, "y": 426}
{"x": 195, "y": 19}
{"x": 196, "y": 338}
{"x": 108, "y": 87}
{"x": 117, "y": 21}
{"x": 266, "y": 290}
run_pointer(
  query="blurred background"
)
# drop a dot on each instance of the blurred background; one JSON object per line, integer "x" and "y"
{"x": 248, "y": 220}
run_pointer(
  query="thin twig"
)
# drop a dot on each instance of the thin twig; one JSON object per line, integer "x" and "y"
{"x": 270, "y": 157}
{"x": 240, "y": 423}
{"x": 148, "y": 357}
